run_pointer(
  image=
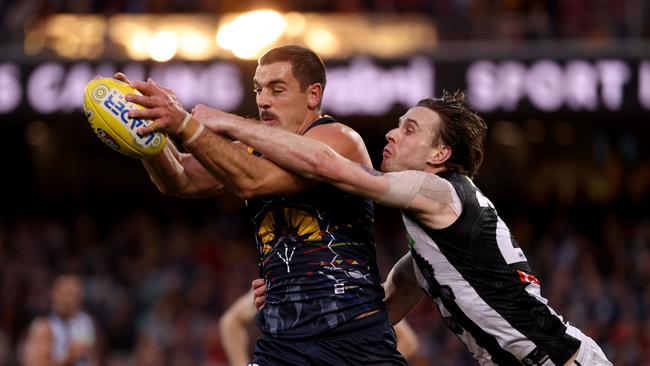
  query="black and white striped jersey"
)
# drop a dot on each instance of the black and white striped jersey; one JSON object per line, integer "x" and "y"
{"x": 484, "y": 287}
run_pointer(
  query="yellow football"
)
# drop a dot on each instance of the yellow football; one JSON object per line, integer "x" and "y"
{"x": 107, "y": 110}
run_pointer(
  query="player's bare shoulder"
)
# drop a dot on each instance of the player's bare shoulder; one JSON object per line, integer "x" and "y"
{"x": 342, "y": 138}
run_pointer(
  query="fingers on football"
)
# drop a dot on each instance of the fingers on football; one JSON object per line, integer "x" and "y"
{"x": 121, "y": 77}
{"x": 151, "y": 114}
{"x": 146, "y": 88}
{"x": 143, "y": 100}
{"x": 153, "y": 127}
{"x": 164, "y": 89}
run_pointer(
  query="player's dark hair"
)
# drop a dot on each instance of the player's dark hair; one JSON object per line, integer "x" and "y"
{"x": 461, "y": 129}
{"x": 306, "y": 66}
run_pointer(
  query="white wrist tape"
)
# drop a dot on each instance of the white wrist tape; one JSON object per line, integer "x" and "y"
{"x": 185, "y": 122}
{"x": 196, "y": 134}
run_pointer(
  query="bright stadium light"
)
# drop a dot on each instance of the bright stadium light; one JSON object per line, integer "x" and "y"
{"x": 250, "y": 33}
{"x": 322, "y": 41}
{"x": 163, "y": 46}
{"x": 194, "y": 45}
{"x": 138, "y": 45}
{"x": 296, "y": 24}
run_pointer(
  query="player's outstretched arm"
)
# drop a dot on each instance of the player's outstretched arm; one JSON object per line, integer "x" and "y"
{"x": 242, "y": 173}
{"x": 425, "y": 195}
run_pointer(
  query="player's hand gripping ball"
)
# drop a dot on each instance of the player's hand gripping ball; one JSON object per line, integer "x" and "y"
{"x": 107, "y": 111}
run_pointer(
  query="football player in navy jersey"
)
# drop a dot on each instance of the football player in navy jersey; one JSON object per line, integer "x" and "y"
{"x": 462, "y": 255}
{"x": 316, "y": 243}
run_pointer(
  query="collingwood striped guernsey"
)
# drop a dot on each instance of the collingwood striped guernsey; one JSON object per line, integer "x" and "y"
{"x": 484, "y": 287}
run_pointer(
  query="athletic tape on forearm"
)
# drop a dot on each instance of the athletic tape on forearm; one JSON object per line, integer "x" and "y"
{"x": 404, "y": 186}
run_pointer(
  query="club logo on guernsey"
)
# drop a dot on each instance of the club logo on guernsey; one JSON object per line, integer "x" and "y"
{"x": 114, "y": 102}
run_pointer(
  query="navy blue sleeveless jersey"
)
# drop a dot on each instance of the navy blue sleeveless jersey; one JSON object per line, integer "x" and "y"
{"x": 317, "y": 254}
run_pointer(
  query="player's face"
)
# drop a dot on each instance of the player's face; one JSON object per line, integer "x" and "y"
{"x": 280, "y": 101}
{"x": 410, "y": 143}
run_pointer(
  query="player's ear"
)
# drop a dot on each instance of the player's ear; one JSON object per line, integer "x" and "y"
{"x": 314, "y": 95}
{"x": 440, "y": 154}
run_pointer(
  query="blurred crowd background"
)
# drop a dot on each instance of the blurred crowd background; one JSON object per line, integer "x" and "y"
{"x": 158, "y": 272}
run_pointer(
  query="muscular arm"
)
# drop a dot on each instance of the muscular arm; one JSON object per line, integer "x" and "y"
{"x": 243, "y": 174}
{"x": 172, "y": 172}
{"x": 402, "y": 289}
{"x": 178, "y": 174}
{"x": 432, "y": 199}
{"x": 249, "y": 176}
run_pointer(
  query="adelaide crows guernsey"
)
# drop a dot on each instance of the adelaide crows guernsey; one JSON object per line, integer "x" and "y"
{"x": 484, "y": 287}
{"x": 317, "y": 254}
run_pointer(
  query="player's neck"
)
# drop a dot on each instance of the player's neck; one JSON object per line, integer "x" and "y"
{"x": 311, "y": 118}
{"x": 435, "y": 169}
